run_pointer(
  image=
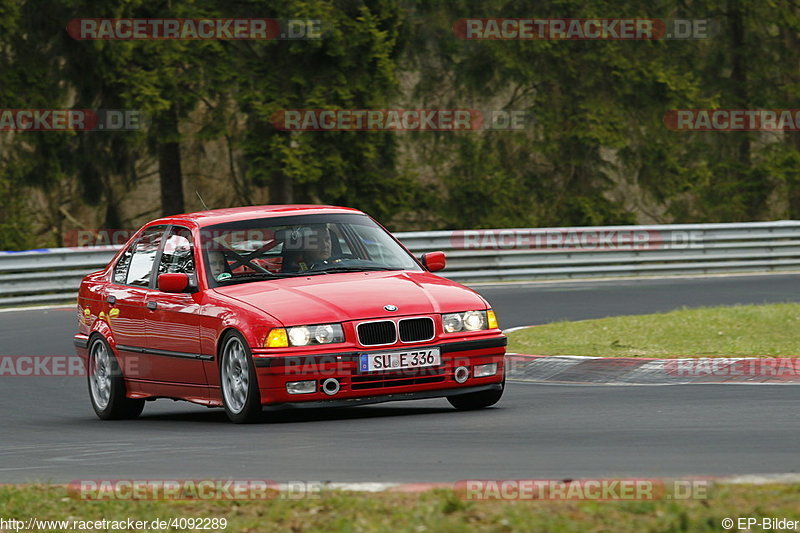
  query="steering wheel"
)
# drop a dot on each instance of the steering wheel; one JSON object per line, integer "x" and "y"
{"x": 327, "y": 262}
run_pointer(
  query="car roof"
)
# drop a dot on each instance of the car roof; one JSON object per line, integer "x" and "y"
{"x": 234, "y": 214}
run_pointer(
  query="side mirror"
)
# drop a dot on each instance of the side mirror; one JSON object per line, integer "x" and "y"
{"x": 434, "y": 261}
{"x": 173, "y": 282}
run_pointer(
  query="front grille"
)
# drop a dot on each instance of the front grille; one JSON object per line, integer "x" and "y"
{"x": 416, "y": 329}
{"x": 375, "y": 333}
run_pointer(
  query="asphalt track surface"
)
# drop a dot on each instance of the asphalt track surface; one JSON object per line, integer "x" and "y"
{"x": 48, "y": 431}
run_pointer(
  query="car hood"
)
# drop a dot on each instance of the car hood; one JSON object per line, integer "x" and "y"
{"x": 354, "y": 296}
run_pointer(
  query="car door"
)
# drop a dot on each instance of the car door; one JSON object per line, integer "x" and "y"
{"x": 123, "y": 308}
{"x": 172, "y": 320}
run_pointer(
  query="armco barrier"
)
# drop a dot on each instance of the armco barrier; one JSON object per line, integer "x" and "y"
{"x": 53, "y": 275}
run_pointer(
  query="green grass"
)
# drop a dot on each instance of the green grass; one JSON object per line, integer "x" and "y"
{"x": 746, "y": 330}
{"x": 436, "y": 511}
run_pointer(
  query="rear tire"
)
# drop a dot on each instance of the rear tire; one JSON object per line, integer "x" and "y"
{"x": 238, "y": 381}
{"x": 476, "y": 400}
{"x": 107, "y": 385}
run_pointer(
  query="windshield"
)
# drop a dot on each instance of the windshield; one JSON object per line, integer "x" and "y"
{"x": 272, "y": 248}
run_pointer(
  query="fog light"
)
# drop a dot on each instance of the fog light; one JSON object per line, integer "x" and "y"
{"x": 481, "y": 371}
{"x": 330, "y": 386}
{"x": 301, "y": 387}
{"x": 461, "y": 374}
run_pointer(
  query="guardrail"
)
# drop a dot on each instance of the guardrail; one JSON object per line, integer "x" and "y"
{"x": 53, "y": 275}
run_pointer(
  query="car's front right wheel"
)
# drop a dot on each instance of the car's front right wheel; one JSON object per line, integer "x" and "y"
{"x": 237, "y": 378}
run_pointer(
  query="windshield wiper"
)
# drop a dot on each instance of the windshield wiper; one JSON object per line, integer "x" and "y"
{"x": 252, "y": 276}
{"x": 354, "y": 269}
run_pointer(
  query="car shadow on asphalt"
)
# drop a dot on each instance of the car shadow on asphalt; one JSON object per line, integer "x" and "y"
{"x": 297, "y": 415}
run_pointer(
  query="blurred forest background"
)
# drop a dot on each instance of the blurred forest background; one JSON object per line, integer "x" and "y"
{"x": 599, "y": 152}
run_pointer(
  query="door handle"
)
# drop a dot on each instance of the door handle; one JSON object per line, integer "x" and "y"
{"x": 111, "y": 299}
{"x": 152, "y": 306}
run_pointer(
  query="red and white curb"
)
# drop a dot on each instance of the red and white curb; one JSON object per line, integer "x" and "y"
{"x": 416, "y": 488}
{"x": 647, "y": 371}
{"x": 650, "y": 371}
{"x": 386, "y": 487}
{"x": 748, "y": 479}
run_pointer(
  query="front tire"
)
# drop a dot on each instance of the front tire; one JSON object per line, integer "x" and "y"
{"x": 476, "y": 400}
{"x": 237, "y": 379}
{"x": 107, "y": 385}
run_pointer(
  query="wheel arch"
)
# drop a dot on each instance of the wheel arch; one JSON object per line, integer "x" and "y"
{"x": 223, "y": 336}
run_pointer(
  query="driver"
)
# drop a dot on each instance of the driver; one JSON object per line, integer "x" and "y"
{"x": 314, "y": 252}
{"x": 218, "y": 265}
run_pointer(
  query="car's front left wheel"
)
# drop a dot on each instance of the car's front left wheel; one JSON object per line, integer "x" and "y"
{"x": 237, "y": 377}
{"x": 107, "y": 385}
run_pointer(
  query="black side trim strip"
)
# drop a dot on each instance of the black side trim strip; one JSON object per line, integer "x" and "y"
{"x": 165, "y": 353}
{"x": 133, "y": 349}
{"x": 304, "y": 360}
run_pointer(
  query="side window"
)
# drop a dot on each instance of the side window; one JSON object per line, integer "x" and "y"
{"x": 121, "y": 269}
{"x": 136, "y": 264}
{"x": 178, "y": 255}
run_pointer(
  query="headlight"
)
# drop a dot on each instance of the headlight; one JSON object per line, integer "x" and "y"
{"x": 452, "y": 322}
{"x": 304, "y": 335}
{"x": 474, "y": 320}
{"x": 325, "y": 334}
{"x": 299, "y": 336}
{"x": 469, "y": 321}
{"x": 318, "y": 334}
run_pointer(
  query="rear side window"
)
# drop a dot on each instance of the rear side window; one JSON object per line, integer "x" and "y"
{"x": 135, "y": 265}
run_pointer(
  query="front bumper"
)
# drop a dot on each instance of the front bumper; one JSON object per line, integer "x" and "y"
{"x": 274, "y": 371}
{"x": 400, "y": 396}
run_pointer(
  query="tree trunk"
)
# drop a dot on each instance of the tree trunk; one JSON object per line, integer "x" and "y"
{"x": 281, "y": 190}
{"x": 792, "y": 46}
{"x": 739, "y": 73}
{"x": 169, "y": 164}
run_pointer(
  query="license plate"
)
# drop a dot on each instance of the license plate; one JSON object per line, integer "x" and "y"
{"x": 419, "y": 358}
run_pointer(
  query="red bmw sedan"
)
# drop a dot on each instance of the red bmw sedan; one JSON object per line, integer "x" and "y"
{"x": 300, "y": 305}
